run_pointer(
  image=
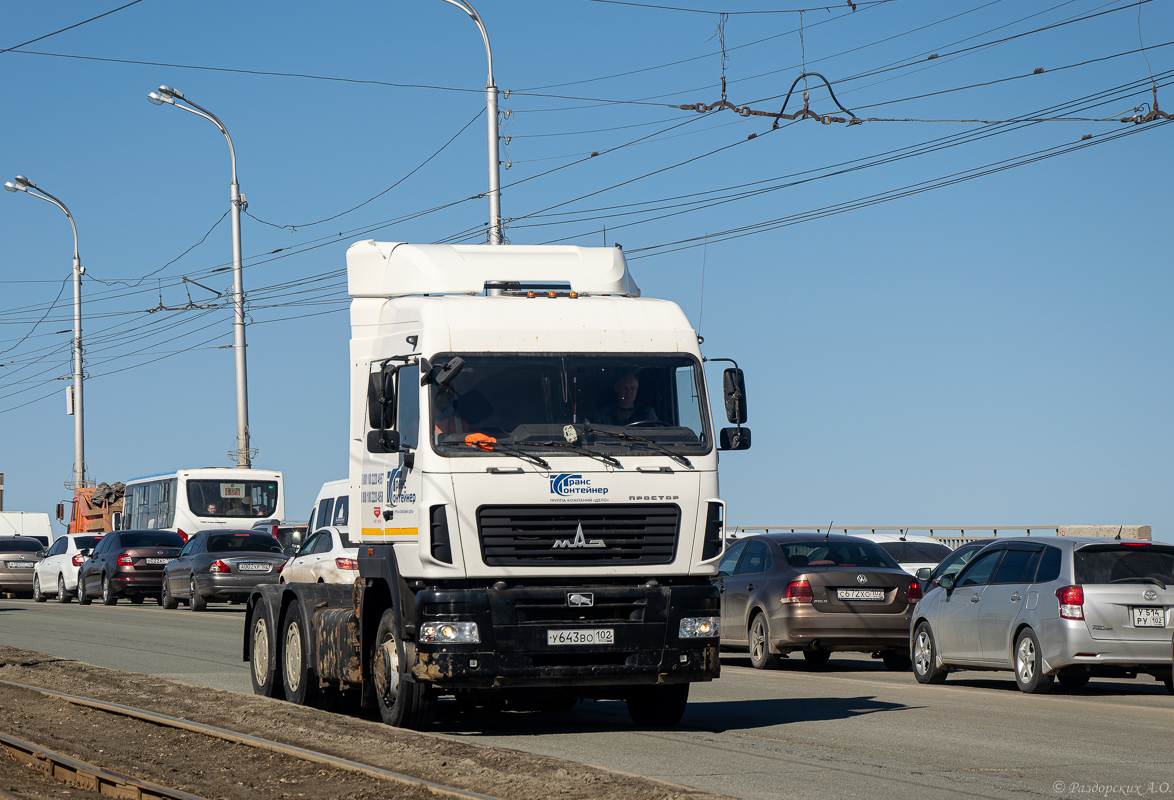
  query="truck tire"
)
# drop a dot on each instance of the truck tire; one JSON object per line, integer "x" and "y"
{"x": 658, "y": 706}
{"x": 263, "y": 666}
{"x": 402, "y": 702}
{"x": 299, "y": 684}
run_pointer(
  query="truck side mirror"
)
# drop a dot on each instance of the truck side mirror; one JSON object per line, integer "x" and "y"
{"x": 734, "y": 439}
{"x": 734, "y": 388}
{"x": 383, "y": 441}
{"x": 381, "y": 397}
{"x": 61, "y": 512}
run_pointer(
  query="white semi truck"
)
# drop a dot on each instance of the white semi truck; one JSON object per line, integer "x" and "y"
{"x": 533, "y": 488}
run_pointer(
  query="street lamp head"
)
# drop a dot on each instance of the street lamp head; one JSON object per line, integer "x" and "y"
{"x": 23, "y": 183}
{"x": 154, "y": 99}
{"x": 10, "y": 186}
{"x": 169, "y": 93}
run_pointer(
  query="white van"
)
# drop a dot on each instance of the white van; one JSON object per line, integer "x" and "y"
{"x": 189, "y": 500}
{"x": 331, "y": 507}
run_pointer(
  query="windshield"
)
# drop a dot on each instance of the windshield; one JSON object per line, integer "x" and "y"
{"x": 526, "y": 400}
{"x": 131, "y": 539}
{"x": 243, "y": 542}
{"x": 20, "y": 545}
{"x": 1124, "y": 563}
{"x": 916, "y": 552}
{"x": 831, "y": 553}
{"x": 228, "y": 498}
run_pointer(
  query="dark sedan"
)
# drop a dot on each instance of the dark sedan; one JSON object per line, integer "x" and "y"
{"x": 127, "y": 564}
{"x": 786, "y": 592}
{"x": 222, "y": 565}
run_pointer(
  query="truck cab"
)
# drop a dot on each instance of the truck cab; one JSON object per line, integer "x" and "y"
{"x": 533, "y": 482}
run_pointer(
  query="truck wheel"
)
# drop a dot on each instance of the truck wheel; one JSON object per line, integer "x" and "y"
{"x": 299, "y": 685}
{"x": 402, "y": 702}
{"x": 658, "y": 706}
{"x": 264, "y": 659}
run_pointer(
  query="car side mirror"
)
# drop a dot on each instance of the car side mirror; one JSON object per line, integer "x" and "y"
{"x": 41, "y": 553}
{"x": 947, "y": 582}
{"x": 734, "y": 439}
{"x": 923, "y": 574}
{"x": 87, "y": 552}
{"x": 290, "y": 551}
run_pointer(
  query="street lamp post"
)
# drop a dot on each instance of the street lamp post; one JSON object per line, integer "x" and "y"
{"x": 495, "y": 235}
{"x": 168, "y": 95}
{"x": 23, "y": 184}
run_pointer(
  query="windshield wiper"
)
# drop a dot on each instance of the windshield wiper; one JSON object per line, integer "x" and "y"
{"x": 615, "y": 462}
{"x": 629, "y": 437}
{"x": 489, "y": 447}
{"x": 1140, "y": 579}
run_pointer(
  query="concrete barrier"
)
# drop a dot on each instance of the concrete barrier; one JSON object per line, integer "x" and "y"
{"x": 1107, "y": 531}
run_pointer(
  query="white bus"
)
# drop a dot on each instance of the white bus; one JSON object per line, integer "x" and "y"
{"x": 189, "y": 500}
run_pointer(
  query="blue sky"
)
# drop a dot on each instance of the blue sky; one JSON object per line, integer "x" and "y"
{"x": 995, "y": 351}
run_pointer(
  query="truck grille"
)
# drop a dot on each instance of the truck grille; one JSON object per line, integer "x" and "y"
{"x": 547, "y": 535}
{"x": 605, "y": 608}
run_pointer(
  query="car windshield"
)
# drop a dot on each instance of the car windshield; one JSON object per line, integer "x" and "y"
{"x": 149, "y": 539}
{"x": 1124, "y": 563}
{"x": 831, "y": 553}
{"x": 231, "y": 498}
{"x": 243, "y": 542}
{"x": 526, "y": 401}
{"x": 916, "y": 552}
{"x": 19, "y": 545}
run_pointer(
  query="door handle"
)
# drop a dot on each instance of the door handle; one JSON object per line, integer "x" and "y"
{"x": 974, "y": 598}
{"x": 721, "y": 589}
{"x": 1015, "y": 598}
{"x": 750, "y": 587}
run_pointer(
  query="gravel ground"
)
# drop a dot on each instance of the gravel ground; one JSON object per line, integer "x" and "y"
{"x": 214, "y": 768}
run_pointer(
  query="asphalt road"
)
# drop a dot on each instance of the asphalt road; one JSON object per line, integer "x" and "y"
{"x": 853, "y": 729}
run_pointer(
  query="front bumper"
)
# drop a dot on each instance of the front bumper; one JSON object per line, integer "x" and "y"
{"x": 514, "y": 653}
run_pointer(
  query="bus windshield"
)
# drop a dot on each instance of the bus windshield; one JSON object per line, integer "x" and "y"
{"x": 528, "y": 400}
{"x": 229, "y": 498}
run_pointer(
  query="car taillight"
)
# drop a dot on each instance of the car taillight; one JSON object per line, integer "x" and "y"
{"x": 182, "y": 535}
{"x": 281, "y": 566}
{"x": 79, "y": 559}
{"x": 273, "y": 531}
{"x": 798, "y": 592}
{"x": 346, "y": 563}
{"x": 1071, "y": 602}
{"x": 914, "y": 592}
{"x": 125, "y": 560}
{"x": 219, "y": 566}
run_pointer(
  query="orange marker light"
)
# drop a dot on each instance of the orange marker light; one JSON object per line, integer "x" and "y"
{"x": 552, "y": 294}
{"x": 529, "y": 294}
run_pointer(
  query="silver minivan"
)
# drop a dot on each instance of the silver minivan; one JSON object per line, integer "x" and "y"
{"x": 1049, "y": 607}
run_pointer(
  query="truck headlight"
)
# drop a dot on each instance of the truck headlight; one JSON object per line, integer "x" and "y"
{"x": 449, "y": 633}
{"x": 700, "y": 627}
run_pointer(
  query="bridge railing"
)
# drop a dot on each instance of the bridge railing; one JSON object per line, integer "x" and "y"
{"x": 956, "y": 535}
